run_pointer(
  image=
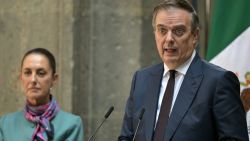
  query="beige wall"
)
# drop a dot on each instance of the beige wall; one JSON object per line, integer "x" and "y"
{"x": 30, "y": 24}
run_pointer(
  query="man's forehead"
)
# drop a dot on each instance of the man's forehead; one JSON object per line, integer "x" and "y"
{"x": 174, "y": 12}
{"x": 173, "y": 17}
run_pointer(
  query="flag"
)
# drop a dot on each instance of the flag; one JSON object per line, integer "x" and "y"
{"x": 229, "y": 42}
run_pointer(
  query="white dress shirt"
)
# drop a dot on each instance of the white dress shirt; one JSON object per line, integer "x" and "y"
{"x": 179, "y": 76}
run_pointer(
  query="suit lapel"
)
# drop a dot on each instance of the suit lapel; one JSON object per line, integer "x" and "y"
{"x": 185, "y": 96}
{"x": 154, "y": 84}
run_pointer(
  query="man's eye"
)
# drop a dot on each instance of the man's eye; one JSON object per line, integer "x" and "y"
{"x": 179, "y": 32}
{"x": 162, "y": 31}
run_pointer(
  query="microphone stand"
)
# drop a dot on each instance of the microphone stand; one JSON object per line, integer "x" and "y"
{"x": 92, "y": 137}
{"x": 105, "y": 117}
{"x": 138, "y": 124}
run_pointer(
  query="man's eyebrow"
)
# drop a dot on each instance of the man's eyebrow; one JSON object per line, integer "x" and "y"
{"x": 179, "y": 26}
{"x": 160, "y": 25}
{"x": 174, "y": 26}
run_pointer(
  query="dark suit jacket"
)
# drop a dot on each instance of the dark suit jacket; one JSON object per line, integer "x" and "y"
{"x": 207, "y": 108}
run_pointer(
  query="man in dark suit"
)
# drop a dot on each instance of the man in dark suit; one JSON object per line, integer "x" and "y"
{"x": 204, "y": 99}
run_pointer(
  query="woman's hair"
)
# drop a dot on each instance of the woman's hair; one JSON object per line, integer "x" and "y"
{"x": 44, "y": 52}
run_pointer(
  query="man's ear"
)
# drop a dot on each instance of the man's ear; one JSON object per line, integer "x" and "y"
{"x": 196, "y": 34}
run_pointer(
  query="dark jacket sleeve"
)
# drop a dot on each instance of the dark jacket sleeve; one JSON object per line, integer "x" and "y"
{"x": 228, "y": 110}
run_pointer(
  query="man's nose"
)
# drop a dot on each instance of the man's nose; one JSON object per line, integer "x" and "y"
{"x": 169, "y": 36}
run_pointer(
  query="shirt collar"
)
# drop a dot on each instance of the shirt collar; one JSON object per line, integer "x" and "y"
{"x": 182, "y": 69}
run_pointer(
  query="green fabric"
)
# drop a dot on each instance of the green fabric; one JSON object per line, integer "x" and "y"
{"x": 228, "y": 20}
{"x": 14, "y": 127}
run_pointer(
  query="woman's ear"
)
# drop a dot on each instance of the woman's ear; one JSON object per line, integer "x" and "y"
{"x": 20, "y": 75}
{"x": 55, "y": 78}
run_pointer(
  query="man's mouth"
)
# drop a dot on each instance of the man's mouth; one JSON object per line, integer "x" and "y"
{"x": 170, "y": 50}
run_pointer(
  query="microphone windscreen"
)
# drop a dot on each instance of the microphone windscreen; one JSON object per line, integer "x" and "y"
{"x": 109, "y": 112}
{"x": 141, "y": 114}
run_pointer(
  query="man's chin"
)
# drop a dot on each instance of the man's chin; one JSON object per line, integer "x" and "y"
{"x": 170, "y": 60}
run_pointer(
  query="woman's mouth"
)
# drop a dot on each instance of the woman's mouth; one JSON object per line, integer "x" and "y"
{"x": 34, "y": 89}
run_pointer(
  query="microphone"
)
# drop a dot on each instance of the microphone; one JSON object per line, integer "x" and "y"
{"x": 105, "y": 117}
{"x": 138, "y": 124}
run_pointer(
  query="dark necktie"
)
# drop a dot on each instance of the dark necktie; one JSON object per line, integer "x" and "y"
{"x": 165, "y": 108}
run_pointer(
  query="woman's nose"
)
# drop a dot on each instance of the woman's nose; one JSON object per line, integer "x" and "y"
{"x": 33, "y": 78}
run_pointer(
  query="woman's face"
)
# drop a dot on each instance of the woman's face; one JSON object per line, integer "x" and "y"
{"x": 37, "y": 78}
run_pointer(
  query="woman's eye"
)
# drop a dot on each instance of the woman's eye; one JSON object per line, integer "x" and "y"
{"x": 41, "y": 73}
{"x": 27, "y": 73}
